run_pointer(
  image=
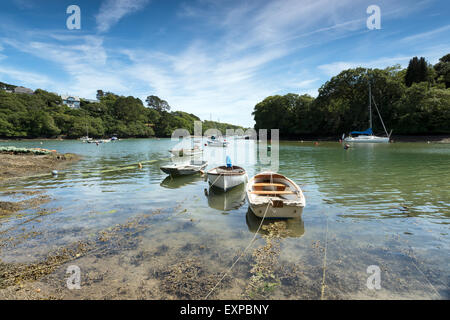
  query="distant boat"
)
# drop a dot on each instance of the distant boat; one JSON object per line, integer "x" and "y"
{"x": 272, "y": 195}
{"x": 186, "y": 151}
{"x": 98, "y": 141}
{"x": 368, "y": 136}
{"x": 227, "y": 177}
{"x": 85, "y": 139}
{"x": 214, "y": 142}
{"x": 217, "y": 143}
{"x": 192, "y": 167}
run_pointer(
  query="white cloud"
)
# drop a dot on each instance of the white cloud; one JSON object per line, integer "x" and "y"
{"x": 111, "y": 11}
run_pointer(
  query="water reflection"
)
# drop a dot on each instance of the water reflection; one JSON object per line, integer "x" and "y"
{"x": 294, "y": 226}
{"x": 226, "y": 201}
{"x": 180, "y": 181}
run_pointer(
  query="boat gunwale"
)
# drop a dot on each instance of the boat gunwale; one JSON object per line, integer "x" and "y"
{"x": 226, "y": 173}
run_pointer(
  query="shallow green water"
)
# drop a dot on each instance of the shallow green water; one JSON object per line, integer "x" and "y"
{"x": 385, "y": 205}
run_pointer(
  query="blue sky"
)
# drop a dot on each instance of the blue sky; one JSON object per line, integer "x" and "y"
{"x": 213, "y": 58}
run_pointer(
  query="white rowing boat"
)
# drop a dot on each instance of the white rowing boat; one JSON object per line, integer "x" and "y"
{"x": 272, "y": 195}
{"x": 225, "y": 177}
{"x": 184, "y": 169}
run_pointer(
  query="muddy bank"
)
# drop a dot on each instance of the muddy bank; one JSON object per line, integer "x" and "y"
{"x": 21, "y": 165}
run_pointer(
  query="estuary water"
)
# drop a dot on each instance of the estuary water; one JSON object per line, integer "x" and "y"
{"x": 375, "y": 225}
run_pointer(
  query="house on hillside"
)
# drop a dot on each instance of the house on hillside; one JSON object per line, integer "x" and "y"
{"x": 91, "y": 100}
{"x": 71, "y": 101}
{"x": 23, "y": 90}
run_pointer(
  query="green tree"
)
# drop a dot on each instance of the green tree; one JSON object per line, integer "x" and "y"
{"x": 443, "y": 70}
{"x": 157, "y": 103}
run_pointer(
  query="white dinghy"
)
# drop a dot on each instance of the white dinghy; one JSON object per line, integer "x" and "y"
{"x": 272, "y": 195}
{"x": 227, "y": 177}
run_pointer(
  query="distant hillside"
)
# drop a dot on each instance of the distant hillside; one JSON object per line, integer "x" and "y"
{"x": 42, "y": 114}
{"x": 412, "y": 101}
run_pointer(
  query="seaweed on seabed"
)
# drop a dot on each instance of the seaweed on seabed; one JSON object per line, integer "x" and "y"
{"x": 263, "y": 280}
{"x": 188, "y": 279}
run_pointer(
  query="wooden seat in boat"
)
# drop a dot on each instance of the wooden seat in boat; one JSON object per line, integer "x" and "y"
{"x": 264, "y": 184}
{"x": 265, "y": 192}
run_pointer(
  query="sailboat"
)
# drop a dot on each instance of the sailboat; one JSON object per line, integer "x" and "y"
{"x": 368, "y": 136}
{"x": 86, "y": 138}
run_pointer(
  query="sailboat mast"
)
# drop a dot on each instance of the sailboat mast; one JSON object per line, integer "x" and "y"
{"x": 370, "y": 106}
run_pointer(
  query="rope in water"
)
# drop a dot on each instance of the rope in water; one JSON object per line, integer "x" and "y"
{"x": 241, "y": 255}
{"x": 243, "y": 252}
{"x": 324, "y": 264}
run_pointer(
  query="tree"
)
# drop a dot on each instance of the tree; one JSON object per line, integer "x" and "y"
{"x": 157, "y": 103}
{"x": 100, "y": 94}
{"x": 443, "y": 70}
{"x": 417, "y": 71}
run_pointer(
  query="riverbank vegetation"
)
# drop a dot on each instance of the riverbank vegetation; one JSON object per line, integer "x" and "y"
{"x": 43, "y": 115}
{"x": 412, "y": 101}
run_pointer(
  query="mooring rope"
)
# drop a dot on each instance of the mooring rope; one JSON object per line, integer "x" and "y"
{"x": 324, "y": 263}
{"x": 243, "y": 252}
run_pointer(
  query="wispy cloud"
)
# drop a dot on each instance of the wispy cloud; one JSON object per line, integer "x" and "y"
{"x": 432, "y": 54}
{"x": 24, "y": 4}
{"x": 111, "y": 11}
{"x": 427, "y": 34}
{"x": 334, "y": 68}
{"x": 35, "y": 80}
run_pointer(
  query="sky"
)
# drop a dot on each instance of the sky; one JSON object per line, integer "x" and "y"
{"x": 214, "y": 58}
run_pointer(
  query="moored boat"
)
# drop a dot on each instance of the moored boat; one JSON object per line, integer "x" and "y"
{"x": 186, "y": 151}
{"x": 367, "y": 136}
{"x": 272, "y": 195}
{"x": 217, "y": 143}
{"x": 227, "y": 177}
{"x": 192, "y": 167}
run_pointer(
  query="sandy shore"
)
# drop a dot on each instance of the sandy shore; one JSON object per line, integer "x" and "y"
{"x": 21, "y": 165}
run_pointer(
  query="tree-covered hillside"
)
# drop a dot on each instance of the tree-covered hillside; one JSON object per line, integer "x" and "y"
{"x": 43, "y": 115}
{"x": 415, "y": 100}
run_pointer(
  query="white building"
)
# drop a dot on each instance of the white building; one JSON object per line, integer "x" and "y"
{"x": 23, "y": 90}
{"x": 71, "y": 101}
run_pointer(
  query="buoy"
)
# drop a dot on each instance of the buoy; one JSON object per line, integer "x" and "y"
{"x": 55, "y": 172}
{"x": 140, "y": 165}
{"x": 346, "y": 146}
